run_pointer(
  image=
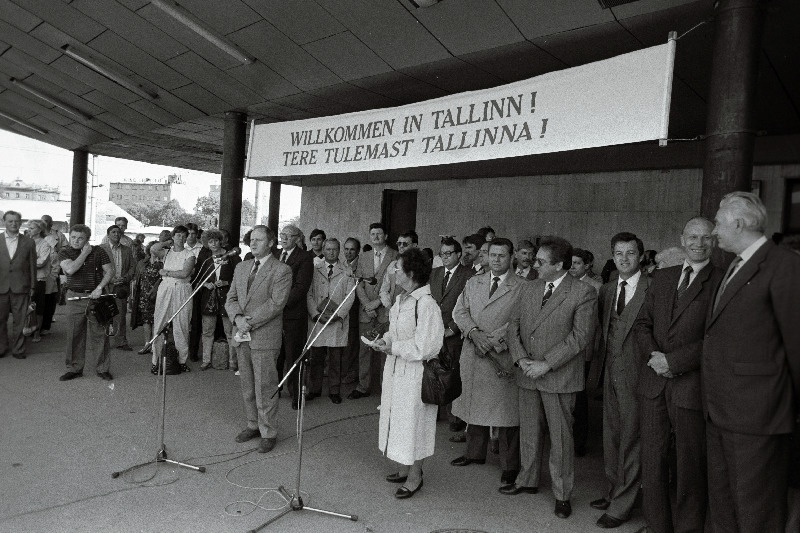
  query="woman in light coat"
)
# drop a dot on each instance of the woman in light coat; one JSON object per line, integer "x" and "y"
{"x": 407, "y": 428}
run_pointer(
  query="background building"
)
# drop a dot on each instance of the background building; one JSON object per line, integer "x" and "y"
{"x": 132, "y": 191}
{"x": 19, "y": 190}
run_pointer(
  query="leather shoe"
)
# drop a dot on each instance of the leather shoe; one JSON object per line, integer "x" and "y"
{"x": 464, "y": 461}
{"x": 20, "y": 356}
{"x": 602, "y": 504}
{"x": 609, "y": 522}
{"x": 266, "y": 445}
{"x": 508, "y": 477}
{"x": 125, "y": 348}
{"x": 457, "y": 426}
{"x": 311, "y": 395}
{"x": 396, "y": 478}
{"x": 459, "y": 437}
{"x": 70, "y": 375}
{"x": 355, "y": 395}
{"x": 247, "y": 434}
{"x": 563, "y": 508}
{"x": 105, "y": 375}
{"x": 335, "y": 398}
{"x": 513, "y": 489}
{"x": 403, "y": 493}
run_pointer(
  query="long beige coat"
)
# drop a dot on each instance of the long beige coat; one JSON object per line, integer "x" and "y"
{"x": 337, "y": 290}
{"x": 407, "y": 427}
{"x": 486, "y": 399}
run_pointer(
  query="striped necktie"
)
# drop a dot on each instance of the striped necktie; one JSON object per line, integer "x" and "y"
{"x": 252, "y": 275}
{"x": 621, "y": 298}
{"x": 548, "y": 293}
{"x": 684, "y": 282}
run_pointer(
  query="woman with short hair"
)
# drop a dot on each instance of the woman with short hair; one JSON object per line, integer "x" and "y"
{"x": 407, "y": 427}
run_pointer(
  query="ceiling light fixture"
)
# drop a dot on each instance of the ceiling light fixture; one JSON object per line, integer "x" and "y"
{"x": 423, "y": 3}
{"x": 180, "y": 14}
{"x": 51, "y": 100}
{"x": 21, "y": 122}
{"x": 109, "y": 73}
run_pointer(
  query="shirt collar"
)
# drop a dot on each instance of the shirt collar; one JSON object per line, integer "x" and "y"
{"x": 452, "y": 270}
{"x": 502, "y": 276}
{"x": 632, "y": 281}
{"x": 557, "y": 282}
{"x": 9, "y": 237}
{"x": 753, "y": 248}
{"x": 695, "y": 267}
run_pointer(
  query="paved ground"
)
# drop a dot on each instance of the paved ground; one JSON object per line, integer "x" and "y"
{"x": 61, "y": 441}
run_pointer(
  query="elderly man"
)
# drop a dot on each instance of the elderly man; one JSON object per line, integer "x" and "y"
{"x": 122, "y": 224}
{"x": 374, "y": 316}
{"x": 619, "y": 303}
{"x": 330, "y": 288}
{"x": 17, "y": 283}
{"x": 447, "y": 282}
{"x": 482, "y": 313}
{"x": 524, "y": 260}
{"x": 751, "y": 372}
{"x": 295, "y": 315}
{"x": 259, "y": 291}
{"x": 669, "y": 333}
{"x": 89, "y": 273}
{"x": 124, "y": 265}
{"x": 547, "y": 334}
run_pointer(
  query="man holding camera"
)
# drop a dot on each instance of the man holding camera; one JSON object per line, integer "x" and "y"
{"x": 89, "y": 271}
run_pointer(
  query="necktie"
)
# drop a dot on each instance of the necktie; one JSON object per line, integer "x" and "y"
{"x": 621, "y": 298}
{"x": 252, "y": 275}
{"x": 684, "y": 282}
{"x": 495, "y": 280}
{"x": 330, "y": 272}
{"x": 547, "y": 294}
{"x": 728, "y": 276}
{"x": 283, "y": 256}
{"x": 446, "y": 279}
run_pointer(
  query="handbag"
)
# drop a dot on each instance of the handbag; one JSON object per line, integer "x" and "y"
{"x": 441, "y": 384}
{"x": 212, "y": 304}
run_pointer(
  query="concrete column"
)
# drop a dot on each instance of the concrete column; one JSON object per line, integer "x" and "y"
{"x": 80, "y": 165}
{"x": 273, "y": 217}
{"x": 233, "y": 157}
{"x": 731, "y": 97}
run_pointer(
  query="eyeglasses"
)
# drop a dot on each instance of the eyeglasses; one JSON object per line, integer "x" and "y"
{"x": 446, "y": 254}
{"x": 539, "y": 262}
{"x": 401, "y": 244}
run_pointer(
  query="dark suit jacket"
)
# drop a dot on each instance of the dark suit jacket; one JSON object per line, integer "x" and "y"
{"x": 302, "y": 264}
{"x": 557, "y": 333}
{"x": 625, "y": 345}
{"x": 751, "y": 353}
{"x": 18, "y": 273}
{"x": 675, "y": 330}
{"x": 128, "y": 261}
{"x": 448, "y": 297}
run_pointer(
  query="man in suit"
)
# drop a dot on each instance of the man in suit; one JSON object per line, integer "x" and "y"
{"x": 548, "y": 332}
{"x": 259, "y": 291}
{"x": 17, "y": 283}
{"x": 124, "y": 265}
{"x": 619, "y": 303}
{"x": 295, "y": 314}
{"x": 373, "y": 315}
{"x": 669, "y": 333}
{"x": 447, "y": 282}
{"x": 352, "y": 247}
{"x": 331, "y": 286}
{"x": 482, "y": 313}
{"x": 470, "y": 250}
{"x": 751, "y": 372}
{"x": 581, "y": 265}
{"x": 317, "y": 238}
{"x": 524, "y": 259}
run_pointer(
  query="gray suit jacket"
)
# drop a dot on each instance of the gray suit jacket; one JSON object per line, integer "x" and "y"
{"x": 368, "y": 293}
{"x": 557, "y": 333}
{"x": 18, "y": 273}
{"x": 128, "y": 261}
{"x": 264, "y": 302}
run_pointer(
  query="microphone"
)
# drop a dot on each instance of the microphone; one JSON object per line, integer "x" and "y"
{"x": 368, "y": 281}
{"x": 233, "y": 251}
{"x": 120, "y": 293}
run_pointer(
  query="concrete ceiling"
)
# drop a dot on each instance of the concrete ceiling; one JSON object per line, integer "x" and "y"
{"x": 326, "y": 57}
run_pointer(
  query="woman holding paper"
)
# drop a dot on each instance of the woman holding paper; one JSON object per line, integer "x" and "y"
{"x": 407, "y": 428}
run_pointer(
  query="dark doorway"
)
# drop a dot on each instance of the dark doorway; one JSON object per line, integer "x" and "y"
{"x": 398, "y": 213}
{"x": 791, "y": 207}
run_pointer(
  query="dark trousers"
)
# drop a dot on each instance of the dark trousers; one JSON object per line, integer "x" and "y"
{"x": 350, "y": 354}
{"x": 85, "y": 334}
{"x": 195, "y": 328}
{"x": 451, "y": 351}
{"x": 478, "y": 444}
{"x": 580, "y": 427}
{"x": 317, "y": 366}
{"x": 659, "y": 418}
{"x": 747, "y": 481}
{"x": 17, "y": 305}
{"x": 50, "y": 303}
{"x": 295, "y": 333}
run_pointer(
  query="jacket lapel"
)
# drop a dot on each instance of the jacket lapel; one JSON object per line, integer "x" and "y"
{"x": 740, "y": 279}
{"x": 691, "y": 291}
{"x": 632, "y": 309}
{"x": 384, "y": 262}
{"x": 503, "y": 287}
{"x": 558, "y": 296}
{"x": 263, "y": 268}
{"x": 3, "y": 247}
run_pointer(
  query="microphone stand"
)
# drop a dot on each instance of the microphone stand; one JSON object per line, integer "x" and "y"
{"x": 294, "y": 502}
{"x": 161, "y": 453}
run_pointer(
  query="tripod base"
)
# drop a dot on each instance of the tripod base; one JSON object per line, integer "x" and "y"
{"x": 161, "y": 457}
{"x": 295, "y": 503}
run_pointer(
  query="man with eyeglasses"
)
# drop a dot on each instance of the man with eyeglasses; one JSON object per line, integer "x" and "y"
{"x": 389, "y": 289}
{"x": 447, "y": 282}
{"x": 295, "y": 314}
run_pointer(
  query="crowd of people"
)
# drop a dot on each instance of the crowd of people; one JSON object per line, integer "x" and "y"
{"x": 698, "y": 367}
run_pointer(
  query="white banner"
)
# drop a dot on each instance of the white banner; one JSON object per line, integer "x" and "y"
{"x": 620, "y": 100}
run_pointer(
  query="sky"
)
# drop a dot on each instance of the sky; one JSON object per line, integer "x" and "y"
{"x": 44, "y": 164}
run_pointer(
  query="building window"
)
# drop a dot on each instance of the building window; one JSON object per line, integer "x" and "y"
{"x": 791, "y": 209}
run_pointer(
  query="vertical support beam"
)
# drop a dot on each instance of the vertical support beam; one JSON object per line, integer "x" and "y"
{"x": 729, "y": 147}
{"x": 273, "y": 217}
{"x": 233, "y": 156}
{"x": 80, "y": 166}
